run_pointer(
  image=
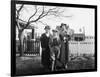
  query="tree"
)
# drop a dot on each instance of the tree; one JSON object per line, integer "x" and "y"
{"x": 38, "y": 14}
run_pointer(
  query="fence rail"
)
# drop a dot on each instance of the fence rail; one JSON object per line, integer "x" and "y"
{"x": 32, "y": 47}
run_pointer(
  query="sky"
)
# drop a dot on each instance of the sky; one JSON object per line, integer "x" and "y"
{"x": 80, "y": 17}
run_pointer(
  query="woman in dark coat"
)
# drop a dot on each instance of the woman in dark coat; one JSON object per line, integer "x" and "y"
{"x": 45, "y": 37}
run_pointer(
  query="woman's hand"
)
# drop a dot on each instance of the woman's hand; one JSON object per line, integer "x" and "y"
{"x": 53, "y": 57}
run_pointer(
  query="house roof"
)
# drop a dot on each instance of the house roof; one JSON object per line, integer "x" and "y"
{"x": 78, "y": 34}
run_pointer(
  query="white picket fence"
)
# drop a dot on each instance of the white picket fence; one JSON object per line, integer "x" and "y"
{"x": 82, "y": 47}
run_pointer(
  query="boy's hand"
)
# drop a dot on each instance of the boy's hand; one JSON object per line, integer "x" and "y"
{"x": 58, "y": 56}
{"x": 43, "y": 49}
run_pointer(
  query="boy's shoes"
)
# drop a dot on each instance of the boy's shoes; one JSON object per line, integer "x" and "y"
{"x": 66, "y": 66}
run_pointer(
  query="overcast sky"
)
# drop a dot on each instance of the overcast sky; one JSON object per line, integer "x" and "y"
{"x": 80, "y": 17}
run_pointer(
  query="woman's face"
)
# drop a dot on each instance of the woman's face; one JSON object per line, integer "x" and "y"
{"x": 47, "y": 30}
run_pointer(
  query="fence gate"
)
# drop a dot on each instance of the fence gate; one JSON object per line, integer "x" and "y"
{"x": 32, "y": 47}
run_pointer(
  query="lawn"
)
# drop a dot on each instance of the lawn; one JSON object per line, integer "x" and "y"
{"x": 32, "y": 65}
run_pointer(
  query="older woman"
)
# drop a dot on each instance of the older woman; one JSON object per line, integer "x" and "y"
{"x": 55, "y": 46}
{"x": 65, "y": 34}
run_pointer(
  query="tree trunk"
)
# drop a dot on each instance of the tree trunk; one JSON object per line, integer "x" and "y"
{"x": 21, "y": 43}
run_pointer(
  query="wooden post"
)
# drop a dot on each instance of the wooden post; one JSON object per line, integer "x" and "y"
{"x": 32, "y": 33}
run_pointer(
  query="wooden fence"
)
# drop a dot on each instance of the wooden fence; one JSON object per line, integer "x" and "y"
{"x": 30, "y": 47}
{"x": 33, "y": 47}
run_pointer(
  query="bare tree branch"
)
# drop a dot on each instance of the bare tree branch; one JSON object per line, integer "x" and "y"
{"x": 18, "y": 11}
{"x": 28, "y": 23}
{"x": 22, "y": 20}
{"x": 42, "y": 22}
{"x": 38, "y": 16}
{"x": 17, "y": 15}
{"x": 17, "y": 25}
{"x": 21, "y": 7}
{"x": 33, "y": 14}
{"x": 44, "y": 12}
{"x": 50, "y": 10}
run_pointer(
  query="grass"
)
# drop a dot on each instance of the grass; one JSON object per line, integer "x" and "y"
{"x": 32, "y": 65}
{"x": 81, "y": 64}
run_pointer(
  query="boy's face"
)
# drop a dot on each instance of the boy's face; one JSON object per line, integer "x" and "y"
{"x": 63, "y": 27}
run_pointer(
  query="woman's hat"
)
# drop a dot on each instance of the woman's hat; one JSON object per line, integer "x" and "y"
{"x": 54, "y": 30}
{"x": 47, "y": 27}
{"x": 62, "y": 24}
{"x": 58, "y": 28}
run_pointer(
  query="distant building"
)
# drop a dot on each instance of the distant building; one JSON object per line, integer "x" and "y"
{"x": 78, "y": 37}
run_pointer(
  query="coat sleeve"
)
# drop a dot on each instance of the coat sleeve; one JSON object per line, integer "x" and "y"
{"x": 42, "y": 41}
{"x": 61, "y": 37}
{"x": 50, "y": 42}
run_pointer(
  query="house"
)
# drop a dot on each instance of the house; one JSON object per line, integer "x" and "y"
{"x": 82, "y": 44}
{"x": 78, "y": 37}
{"x": 30, "y": 28}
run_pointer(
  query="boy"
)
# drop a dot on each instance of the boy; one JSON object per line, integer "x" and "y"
{"x": 55, "y": 45}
